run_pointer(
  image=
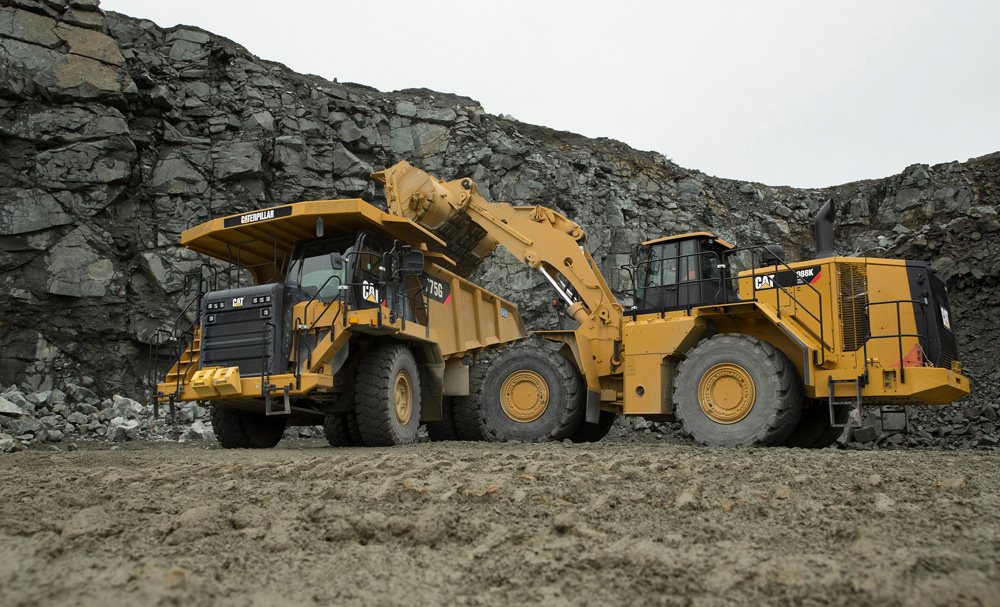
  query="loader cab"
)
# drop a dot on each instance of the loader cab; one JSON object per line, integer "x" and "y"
{"x": 681, "y": 272}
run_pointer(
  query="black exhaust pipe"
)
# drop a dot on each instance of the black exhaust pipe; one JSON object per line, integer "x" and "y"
{"x": 824, "y": 230}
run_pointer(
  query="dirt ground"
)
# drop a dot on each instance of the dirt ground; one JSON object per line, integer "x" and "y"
{"x": 488, "y": 524}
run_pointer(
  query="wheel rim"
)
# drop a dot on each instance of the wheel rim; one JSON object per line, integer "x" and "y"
{"x": 524, "y": 396}
{"x": 726, "y": 393}
{"x": 402, "y": 396}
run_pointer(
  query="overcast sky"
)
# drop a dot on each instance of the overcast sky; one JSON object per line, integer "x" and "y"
{"x": 799, "y": 93}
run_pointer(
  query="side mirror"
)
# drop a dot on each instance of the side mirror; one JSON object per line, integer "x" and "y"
{"x": 409, "y": 261}
{"x": 336, "y": 261}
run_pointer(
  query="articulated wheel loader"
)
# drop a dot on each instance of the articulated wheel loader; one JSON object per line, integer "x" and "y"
{"x": 327, "y": 312}
{"x": 735, "y": 343}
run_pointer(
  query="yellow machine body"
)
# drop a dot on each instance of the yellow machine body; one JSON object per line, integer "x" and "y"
{"x": 876, "y": 331}
{"x": 440, "y": 315}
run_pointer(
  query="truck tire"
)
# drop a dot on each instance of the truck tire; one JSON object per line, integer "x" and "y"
{"x": 444, "y": 429}
{"x": 466, "y": 410}
{"x": 593, "y": 433}
{"x": 387, "y": 398}
{"x": 531, "y": 395}
{"x": 736, "y": 390}
{"x": 814, "y": 430}
{"x": 351, "y": 419}
{"x": 341, "y": 430}
{"x": 238, "y": 429}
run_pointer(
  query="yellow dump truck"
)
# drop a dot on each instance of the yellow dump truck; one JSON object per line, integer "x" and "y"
{"x": 327, "y": 312}
{"x": 740, "y": 346}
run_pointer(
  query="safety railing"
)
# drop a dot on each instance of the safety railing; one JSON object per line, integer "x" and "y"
{"x": 238, "y": 264}
{"x": 898, "y": 336}
{"x": 725, "y": 284}
{"x": 179, "y": 339}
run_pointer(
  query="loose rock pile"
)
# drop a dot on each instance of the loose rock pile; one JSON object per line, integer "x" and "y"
{"x": 78, "y": 413}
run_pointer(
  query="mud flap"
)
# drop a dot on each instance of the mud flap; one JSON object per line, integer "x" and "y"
{"x": 593, "y": 407}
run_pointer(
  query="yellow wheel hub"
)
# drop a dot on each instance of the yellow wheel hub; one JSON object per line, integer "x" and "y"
{"x": 726, "y": 393}
{"x": 524, "y": 396}
{"x": 402, "y": 396}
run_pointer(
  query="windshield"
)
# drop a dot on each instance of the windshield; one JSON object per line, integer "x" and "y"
{"x": 312, "y": 268}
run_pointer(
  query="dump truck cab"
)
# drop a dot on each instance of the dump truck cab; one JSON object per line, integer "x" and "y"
{"x": 326, "y": 312}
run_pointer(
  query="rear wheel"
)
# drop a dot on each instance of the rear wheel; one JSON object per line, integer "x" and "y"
{"x": 388, "y": 396}
{"x": 736, "y": 390}
{"x": 532, "y": 395}
{"x": 445, "y": 428}
{"x": 814, "y": 430}
{"x": 335, "y": 432}
{"x": 238, "y": 429}
{"x": 341, "y": 430}
{"x": 466, "y": 410}
{"x": 592, "y": 433}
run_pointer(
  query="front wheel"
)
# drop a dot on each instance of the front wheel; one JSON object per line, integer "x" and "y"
{"x": 736, "y": 390}
{"x": 238, "y": 429}
{"x": 531, "y": 395}
{"x": 388, "y": 396}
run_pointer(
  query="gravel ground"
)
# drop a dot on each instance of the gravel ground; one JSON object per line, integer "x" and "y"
{"x": 477, "y": 524}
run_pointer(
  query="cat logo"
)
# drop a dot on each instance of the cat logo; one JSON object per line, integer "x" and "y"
{"x": 369, "y": 292}
{"x": 764, "y": 281}
{"x": 237, "y": 302}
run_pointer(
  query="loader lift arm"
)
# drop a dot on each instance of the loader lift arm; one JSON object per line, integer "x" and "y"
{"x": 538, "y": 237}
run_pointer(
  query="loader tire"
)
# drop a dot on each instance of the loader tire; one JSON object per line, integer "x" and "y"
{"x": 467, "y": 410}
{"x": 444, "y": 430}
{"x": 531, "y": 395}
{"x": 814, "y": 430}
{"x": 592, "y": 433}
{"x": 736, "y": 390}
{"x": 341, "y": 430}
{"x": 238, "y": 429}
{"x": 387, "y": 398}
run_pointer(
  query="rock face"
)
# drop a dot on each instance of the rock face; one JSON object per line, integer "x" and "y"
{"x": 116, "y": 135}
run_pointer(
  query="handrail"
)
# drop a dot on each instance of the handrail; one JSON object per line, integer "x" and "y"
{"x": 899, "y": 336}
{"x": 265, "y": 370}
{"x": 238, "y": 266}
{"x": 733, "y": 287}
{"x": 780, "y": 289}
{"x": 180, "y": 341}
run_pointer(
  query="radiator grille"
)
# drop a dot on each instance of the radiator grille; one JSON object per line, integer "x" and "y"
{"x": 853, "y": 303}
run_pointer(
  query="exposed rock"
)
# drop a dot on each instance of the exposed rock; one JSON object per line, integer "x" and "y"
{"x": 77, "y": 269}
{"x": 10, "y": 409}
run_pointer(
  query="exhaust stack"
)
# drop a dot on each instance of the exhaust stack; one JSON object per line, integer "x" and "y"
{"x": 824, "y": 230}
